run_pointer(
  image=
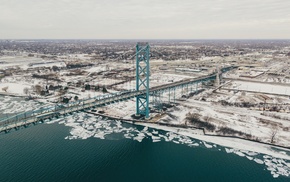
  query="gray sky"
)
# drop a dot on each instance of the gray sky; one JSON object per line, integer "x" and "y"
{"x": 147, "y": 19}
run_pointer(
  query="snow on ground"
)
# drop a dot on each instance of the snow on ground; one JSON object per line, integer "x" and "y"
{"x": 260, "y": 87}
{"x": 83, "y": 94}
{"x": 177, "y": 115}
{"x": 241, "y": 119}
{"x": 96, "y": 69}
{"x": 162, "y": 78}
{"x": 127, "y": 86}
{"x": 14, "y": 88}
{"x": 12, "y": 105}
{"x": 251, "y": 73}
{"x": 107, "y": 81}
{"x": 74, "y": 78}
{"x": 22, "y": 79}
{"x": 45, "y": 64}
{"x": 16, "y": 84}
{"x": 25, "y": 62}
{"x": 239, "y": 97}
{"x": 122, "y": 109}
{"x": 275, "y": 79}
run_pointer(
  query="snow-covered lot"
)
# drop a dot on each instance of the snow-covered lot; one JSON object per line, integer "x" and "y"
{"x": 260, "y": 87}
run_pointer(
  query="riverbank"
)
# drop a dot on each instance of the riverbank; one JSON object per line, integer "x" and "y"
{"x": 226, "y": 141}
{"x": 85, "y": 126}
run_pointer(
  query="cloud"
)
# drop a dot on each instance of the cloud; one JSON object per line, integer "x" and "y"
{"x": 144, "y": 19}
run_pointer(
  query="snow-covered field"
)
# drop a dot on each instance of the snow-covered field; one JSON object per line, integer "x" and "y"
{"x": 12, "y": 105}
{"x": 16, "y": 84}
{"x": 14, "y": 88}
{"x": 253, "y": 123}
{"x": 238, "y": 97}
{"x": 260, "y": 87}
{"x": 276, "y": 79}
{"x": 28, "y": 62}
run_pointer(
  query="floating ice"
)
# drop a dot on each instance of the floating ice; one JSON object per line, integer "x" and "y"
{"x": 250, "y": 158}
{"x": 155, "y": 132}
{"x": 252, "y": 153}
{"x": 139, "y": 137}
{"x": 240, "y": 154}
{"x": 207, "y": 145}
{"x": 229, "y": 150}
{"x": 275, "y": 175}
{"x": 259, "y": 161}
{"x": 175, "y": 141}
{"x": 84, "y": 126}
{"x": 156, "y": 140}
{"x": 267, "y": 157}
{"x": 194, "y": 145}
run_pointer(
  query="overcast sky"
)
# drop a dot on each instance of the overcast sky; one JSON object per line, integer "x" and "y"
{"x": 144, "y": 19}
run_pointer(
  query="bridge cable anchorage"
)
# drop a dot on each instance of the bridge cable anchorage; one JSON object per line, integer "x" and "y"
{"x": 142, "y": 79}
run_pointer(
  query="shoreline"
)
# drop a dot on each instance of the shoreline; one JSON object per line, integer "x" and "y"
{"x": 225, "y": 141}
{"x": 229, "y": 142}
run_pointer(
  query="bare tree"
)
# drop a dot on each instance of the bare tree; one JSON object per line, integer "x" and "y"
{"x": 207, "y": 118}
{"x": 274, "y": 131}
{"x": 5, "y": 89}
{"x": 38, "y": 89}
{"x": 26, "y": 91}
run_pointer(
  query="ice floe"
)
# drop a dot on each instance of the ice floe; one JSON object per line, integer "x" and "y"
{"x": 259, "y": 161}
{"x": 84, "y": 126}
{"x": 207, "y": 145}
{"x": 240, "y": 154}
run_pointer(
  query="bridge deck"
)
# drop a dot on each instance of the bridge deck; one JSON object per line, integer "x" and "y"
{"x": 26, "y": 118}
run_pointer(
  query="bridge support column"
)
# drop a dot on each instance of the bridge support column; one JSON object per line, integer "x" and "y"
{"x": 142, "y": 78}
{"x": 169, "y": 97}
{"x": 182, "y": 90}
{"x": 174, "y": 95}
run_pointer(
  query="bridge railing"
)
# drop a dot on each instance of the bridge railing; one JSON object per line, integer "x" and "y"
{"x": 116, "y": 95}
{"x": 57, "y": 107}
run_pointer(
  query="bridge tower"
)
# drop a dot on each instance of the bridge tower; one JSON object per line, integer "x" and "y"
{"x": 142, "y": 78}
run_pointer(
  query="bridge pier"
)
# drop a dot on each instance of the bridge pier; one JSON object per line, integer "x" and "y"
{"x": 169, "y": 96}
{"x": 174, "y": 95}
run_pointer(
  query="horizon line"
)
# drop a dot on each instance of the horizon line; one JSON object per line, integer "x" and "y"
{"x": 145, "y": 39}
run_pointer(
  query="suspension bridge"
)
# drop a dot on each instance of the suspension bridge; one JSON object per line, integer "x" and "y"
{"x": 142, "y": 93}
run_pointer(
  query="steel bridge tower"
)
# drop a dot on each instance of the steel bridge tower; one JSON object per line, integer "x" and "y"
{"x": 142, "y": 79}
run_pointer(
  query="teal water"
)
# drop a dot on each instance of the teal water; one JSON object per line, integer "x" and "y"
{"x": 40, "y": 153}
